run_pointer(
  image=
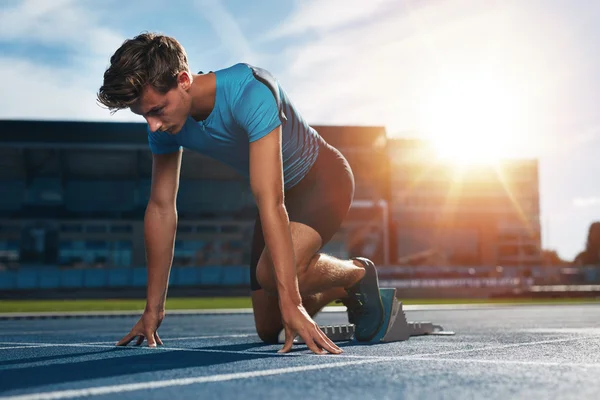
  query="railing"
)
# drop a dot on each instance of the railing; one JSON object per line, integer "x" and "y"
{"x": 36, "y": 278}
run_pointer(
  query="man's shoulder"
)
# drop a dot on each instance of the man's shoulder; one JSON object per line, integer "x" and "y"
{"x": 245, "y": 70}
{"x": 235, "y": 70}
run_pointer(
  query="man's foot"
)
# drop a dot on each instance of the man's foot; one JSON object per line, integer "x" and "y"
{"x": 365, "y": 308}
{"x": 351, "y": 304}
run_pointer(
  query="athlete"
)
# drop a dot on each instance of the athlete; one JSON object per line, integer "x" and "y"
{"x": 303, "y": 188}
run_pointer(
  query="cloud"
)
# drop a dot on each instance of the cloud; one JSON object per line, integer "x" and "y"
{"x": 227, "y": 29}
{"x": 34, "y": 91}
{"x": 382, "y": 65}
{"x": 586, "y": 202}
{"x": 326, "y": 16}
{"x": 66, "y": 23}
{"x": 374, "y": 72}
{"x": 79, "y": 46}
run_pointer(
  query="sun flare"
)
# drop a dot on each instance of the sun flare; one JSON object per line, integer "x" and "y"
{"x": 472, "y": 119}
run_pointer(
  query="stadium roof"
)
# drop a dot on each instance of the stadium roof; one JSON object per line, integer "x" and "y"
{"x": 25, "y": 133}
{"x": 35, "y": 133}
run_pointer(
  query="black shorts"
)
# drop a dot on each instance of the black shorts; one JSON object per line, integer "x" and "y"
{"x": 320, "y": 200}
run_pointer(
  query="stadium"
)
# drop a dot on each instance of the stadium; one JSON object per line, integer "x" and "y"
{"x": 76, "y": 192}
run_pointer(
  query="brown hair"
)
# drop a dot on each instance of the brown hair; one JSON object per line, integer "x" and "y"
{"x": 147, "y": 59}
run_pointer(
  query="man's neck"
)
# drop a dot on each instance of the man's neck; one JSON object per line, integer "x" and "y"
{"x": 203, "y": 92}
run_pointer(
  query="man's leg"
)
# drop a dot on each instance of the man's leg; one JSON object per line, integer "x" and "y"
{"x": 267, "y": 315}
{"x": 321, "y": 278}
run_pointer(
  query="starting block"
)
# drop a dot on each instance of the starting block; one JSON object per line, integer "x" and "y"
{"x": 395, "y": 326}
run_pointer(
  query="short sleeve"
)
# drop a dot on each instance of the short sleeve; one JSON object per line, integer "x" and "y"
{"x": 257, "y": 111}
{"x": 162, "y": 142}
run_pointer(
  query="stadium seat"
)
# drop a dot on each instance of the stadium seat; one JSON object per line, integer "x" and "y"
{"x": 71, "y": 278}
{"x": 209, "y": 196}
{"x": 45, "y": 192}
{"x": 234, "y": 275}
{"x": 49, "y": 278}
{"x": 95, "y": 277}
{"x": 8, "y": 280}
{"x": 99, "y": 195}
{"x": 187, "y": 276}
{"x": 119, "y": 277}
{"x": 139, "y": 277}
{"x": 13, "y": 194}
{"x": 143, "y": 193}
{"x": 27, "y": 278}
{"x": 210, "y": 275}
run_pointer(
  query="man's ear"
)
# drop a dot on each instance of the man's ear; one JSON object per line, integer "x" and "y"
{"x": 184, "y": 80}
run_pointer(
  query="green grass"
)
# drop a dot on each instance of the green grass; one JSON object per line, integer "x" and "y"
{"x": 203, "y": 303}
{"x": 121, "y": 304}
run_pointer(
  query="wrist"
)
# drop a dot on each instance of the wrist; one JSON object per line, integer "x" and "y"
{"x": 154, "y": 307}
{"x": 289, "y": 298}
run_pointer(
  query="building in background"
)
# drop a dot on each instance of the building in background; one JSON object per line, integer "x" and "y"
{"x": 463, "y": 215}
{"x": 74, "y": 194}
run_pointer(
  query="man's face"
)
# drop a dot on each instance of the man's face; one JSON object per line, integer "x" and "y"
{"x": 165, "y": 112}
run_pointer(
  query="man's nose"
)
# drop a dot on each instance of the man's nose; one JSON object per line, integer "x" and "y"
{"x": 155, "y": 124}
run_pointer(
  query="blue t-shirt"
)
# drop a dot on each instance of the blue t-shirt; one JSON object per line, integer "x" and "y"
{"x": 249, "y": 104}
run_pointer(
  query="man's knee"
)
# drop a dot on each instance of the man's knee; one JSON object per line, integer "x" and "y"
{"x": 267, "y": 316}
{"x": 268, "y": 334}
{"x": 265, "y": 273}
{"x": 265, "y": 276}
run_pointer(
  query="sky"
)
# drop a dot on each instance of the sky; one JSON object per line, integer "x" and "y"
{"x": 512, "y": 78}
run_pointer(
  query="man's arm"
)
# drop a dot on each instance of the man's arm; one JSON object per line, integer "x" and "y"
{"x": 160, "y": 225}
{"x": 266, "y": 181}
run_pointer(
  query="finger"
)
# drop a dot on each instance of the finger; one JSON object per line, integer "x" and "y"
{"x": 150, "y": 338}
{"x": 327, "y": 344}
{"x": 289, "y": 341}
{"x": 307, "y": 336}
{"x": 140, "y": 340}
{"x": 312, "y": 345}
{"x": 128, "y": 338}
{"x": 158, "y": 341}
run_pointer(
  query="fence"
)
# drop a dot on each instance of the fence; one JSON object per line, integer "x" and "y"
{"x": 43, "y": 278}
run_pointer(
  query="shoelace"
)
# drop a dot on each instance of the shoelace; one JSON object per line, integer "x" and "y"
{"x": 354, "y": 304}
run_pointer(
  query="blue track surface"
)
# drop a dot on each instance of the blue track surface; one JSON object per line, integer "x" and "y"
{"x": 499, "y": 353}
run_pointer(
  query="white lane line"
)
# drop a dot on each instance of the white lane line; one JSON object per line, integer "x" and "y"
{"x": 158, "y": 348}
{"x": 121, "y": 333}
{"x": 102, "y": 390}
{"x": 406, "y": 357}
{"x": 168, "y": 339}
{"x": 28, "y": 346}
{"x": 61, "y": 332}
{"x": 505, "y": 346}
{"x": 114, "y": 389}
{"x": 511, "y": 362}
{"x": 473, "y": 350}
{"x": 239, "y": 335}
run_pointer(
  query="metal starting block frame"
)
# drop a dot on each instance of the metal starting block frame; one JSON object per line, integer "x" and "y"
{"x": 395, "y": 327}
